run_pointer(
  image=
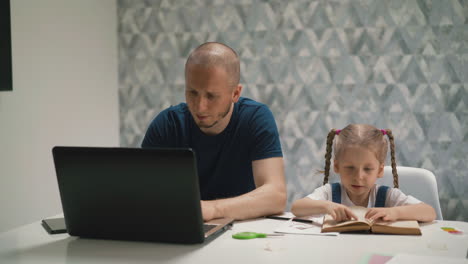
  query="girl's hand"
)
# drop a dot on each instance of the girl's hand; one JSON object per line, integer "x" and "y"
{"x": 386, "y": 214}
{"x": 340, "y": 212}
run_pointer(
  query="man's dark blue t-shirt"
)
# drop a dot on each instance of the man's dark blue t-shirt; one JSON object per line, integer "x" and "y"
{"x": 224, "y": 161}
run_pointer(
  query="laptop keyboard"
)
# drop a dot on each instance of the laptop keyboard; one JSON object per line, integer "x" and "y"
{"x": 207, "y": 227}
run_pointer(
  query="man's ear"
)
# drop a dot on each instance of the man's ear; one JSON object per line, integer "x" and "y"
{"x": 381, "y": 171}
{"x": 237, "y": 93}
{"x": 336, "y": 166}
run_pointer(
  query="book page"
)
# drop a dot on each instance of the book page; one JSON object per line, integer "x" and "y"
{"x": 397, "y": 228}
{"x": 359, "y": 211}
{"x": 399, "y": 224}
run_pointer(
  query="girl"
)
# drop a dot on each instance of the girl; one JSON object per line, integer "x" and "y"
{"x": 359, "y": 159}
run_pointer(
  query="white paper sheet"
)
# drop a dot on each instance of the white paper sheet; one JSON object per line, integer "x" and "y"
{"x": 293, "y": 227}
{"x": 414, "y": 259}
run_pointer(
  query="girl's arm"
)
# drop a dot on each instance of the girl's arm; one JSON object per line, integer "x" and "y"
{"x": 420, "y": 212}
{"x": 307, "y": 206}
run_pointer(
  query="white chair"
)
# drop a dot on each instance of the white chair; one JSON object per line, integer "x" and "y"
{"x": 416, "y": 182}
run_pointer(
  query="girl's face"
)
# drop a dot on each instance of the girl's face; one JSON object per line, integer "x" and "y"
{"x": 359, "y": 169}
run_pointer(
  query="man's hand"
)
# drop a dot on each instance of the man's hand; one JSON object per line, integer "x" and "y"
{"x": 208, "y": 210}
{"x": 340, "y": 212}
{"x": 269, "y": 196}
{"x": 386, "y": 214}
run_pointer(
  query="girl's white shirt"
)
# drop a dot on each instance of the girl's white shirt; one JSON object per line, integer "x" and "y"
{"x": 395, "y": 197}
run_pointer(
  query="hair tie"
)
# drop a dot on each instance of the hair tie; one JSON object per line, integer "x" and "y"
{"x": 384, "y": 132}
{"x": 337, "y": 131}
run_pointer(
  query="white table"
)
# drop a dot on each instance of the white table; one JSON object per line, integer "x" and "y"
{"x": 31, "y": 244}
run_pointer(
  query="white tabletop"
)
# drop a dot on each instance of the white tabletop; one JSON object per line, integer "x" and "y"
{"x": 31, "y": 244}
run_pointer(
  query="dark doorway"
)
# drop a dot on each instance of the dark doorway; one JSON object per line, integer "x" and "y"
{"x": 6, "y": 78}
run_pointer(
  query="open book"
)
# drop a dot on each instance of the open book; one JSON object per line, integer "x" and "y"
{"x": 362, "y": 224}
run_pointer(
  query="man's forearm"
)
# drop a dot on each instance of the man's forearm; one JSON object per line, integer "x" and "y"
{"x": 307, "y": 206}
{"x": 265, "y": 200}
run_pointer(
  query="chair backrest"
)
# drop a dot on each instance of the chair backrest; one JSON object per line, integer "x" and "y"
{"x": 416, "y": 182}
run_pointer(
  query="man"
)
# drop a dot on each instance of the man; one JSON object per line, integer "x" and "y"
{"x": 239, "y": 157}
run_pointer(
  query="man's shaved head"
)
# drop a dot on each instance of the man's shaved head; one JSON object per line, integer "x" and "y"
{"x": 214, "y": 54}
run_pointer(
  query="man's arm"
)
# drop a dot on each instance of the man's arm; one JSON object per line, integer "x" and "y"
{"x": 268, "y": 198}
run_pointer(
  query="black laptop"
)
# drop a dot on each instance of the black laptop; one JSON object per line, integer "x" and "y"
{"x": 132, "y": 194}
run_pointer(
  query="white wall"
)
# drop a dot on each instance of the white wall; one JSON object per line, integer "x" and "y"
{"x": 65, "y": 92}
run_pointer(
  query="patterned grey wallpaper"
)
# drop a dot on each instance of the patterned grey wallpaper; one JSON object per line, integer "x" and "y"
{"x": 399, "y": 64}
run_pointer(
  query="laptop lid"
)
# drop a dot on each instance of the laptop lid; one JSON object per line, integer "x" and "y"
{"x": 131, "y": 194}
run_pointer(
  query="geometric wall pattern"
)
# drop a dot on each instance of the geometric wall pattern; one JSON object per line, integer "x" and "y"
{"x": 399, "y": 64}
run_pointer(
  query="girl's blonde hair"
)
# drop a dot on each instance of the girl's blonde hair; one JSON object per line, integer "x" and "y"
{"x": 365, "y": 136}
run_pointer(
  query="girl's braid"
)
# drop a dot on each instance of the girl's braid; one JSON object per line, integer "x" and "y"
{"x": 392, "y": 153}
{"x": 328, "y": 154}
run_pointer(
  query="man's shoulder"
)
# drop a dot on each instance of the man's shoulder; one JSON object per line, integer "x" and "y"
{"x": 248, "y": 106}
{"x": 179, "y": 108}
{"x": 171, "y": 116}
{"x": 247, "y": 102}
{"x": 180, "y": 111}
{"x": 165, "y": 126}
